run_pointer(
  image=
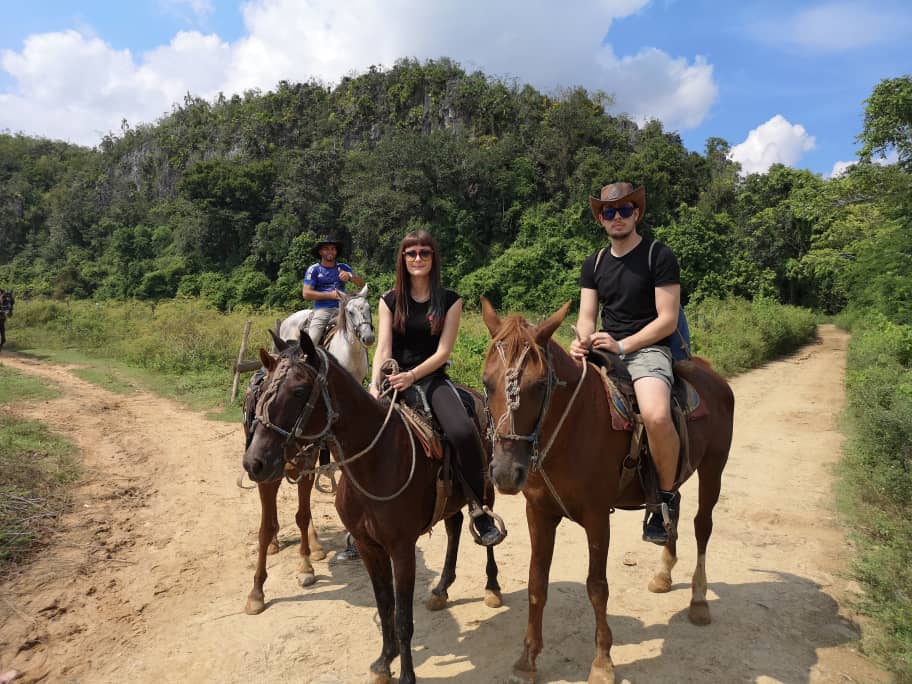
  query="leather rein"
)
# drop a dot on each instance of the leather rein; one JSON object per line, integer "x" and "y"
{"x": 302, "y": 442}
{"x": 512, "y": 385}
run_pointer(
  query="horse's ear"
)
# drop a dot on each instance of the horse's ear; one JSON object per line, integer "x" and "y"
{"x": 279, "y": 343}
{"x": 268, "y": 360}
{"x": 307, "y": 345}
{"x": 491, "y": 319}
{"x": 362, "y": 292}
{"x": 545, "y": 329}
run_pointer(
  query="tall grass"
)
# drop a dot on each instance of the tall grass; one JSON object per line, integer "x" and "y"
{"x": 36, "y": 468}
{"x": 876, "y": 482}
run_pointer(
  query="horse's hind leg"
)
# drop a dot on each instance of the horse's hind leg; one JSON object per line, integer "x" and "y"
{"x": 438, "y": 598}
{"x": 306, "y": 575}
{"x": 377, "y": 563}
{"x": 710, "y": 485}
{"x": 256, "y": 602}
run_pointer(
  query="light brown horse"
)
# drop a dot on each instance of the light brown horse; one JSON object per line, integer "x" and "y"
{"x": 386, "y": 496}
{"x": 553, "y": 441}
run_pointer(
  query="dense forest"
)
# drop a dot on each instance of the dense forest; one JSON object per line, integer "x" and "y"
{"x": 224, "y": 199}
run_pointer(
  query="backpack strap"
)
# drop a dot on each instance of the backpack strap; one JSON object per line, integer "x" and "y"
{"x": 649, "y": 261}
{"x": 598, "y": 258}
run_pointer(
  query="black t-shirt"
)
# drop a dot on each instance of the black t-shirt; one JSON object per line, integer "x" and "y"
{"x": 626, "y": 287}
{"x": 417, "y": 344}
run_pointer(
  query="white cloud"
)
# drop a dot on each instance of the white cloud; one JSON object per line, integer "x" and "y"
{"x": 840, "y": 167}
{"x": 199, "y": 8}
{"x": 835, "y": 27}
{"x": 775, "y": 142}
{"x": 78, "y": 88}
{"x": 94, "y": 86}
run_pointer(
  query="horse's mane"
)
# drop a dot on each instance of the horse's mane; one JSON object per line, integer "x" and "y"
{"x": 515, "y": 334}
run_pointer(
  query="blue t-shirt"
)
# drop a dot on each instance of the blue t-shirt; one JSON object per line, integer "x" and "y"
{"x": 324, "y": 279}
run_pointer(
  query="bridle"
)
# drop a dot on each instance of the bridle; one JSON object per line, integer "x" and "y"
{"x": 512, "y": 385}
{"x": 302, "y": 442}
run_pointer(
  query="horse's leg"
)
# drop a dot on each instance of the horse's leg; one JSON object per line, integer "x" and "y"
{"x": 404, "y": 578}
{"x": 542, "y": 529}
{"x": 661, "y": 581}
{"x": 493, "y": 597}
{"x": 268, "y": 528}
{"x": 377, "y": 562}
{"x": 306, "y": 575}
{"x": 710, "y": 486}
{"x": 438, "y": 598}
{"x": 599, "y": 536}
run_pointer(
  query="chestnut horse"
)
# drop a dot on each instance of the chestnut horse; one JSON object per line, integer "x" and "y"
{"x": 552, "y": 440}
{"x": 386, "y": 496}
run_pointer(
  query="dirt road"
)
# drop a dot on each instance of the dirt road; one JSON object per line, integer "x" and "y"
{"x": 147, "y": 578}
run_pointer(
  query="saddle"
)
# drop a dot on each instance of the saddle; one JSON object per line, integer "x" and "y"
{"x": 419, "y": 418}
{"x": 686, "y": 405}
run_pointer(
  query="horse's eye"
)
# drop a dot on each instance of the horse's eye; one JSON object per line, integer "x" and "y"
{"x": 300, "y": 391}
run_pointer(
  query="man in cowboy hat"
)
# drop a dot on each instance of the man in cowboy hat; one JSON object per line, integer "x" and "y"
{"x": 637, "y": 282}
{"x": 323, "y": 282}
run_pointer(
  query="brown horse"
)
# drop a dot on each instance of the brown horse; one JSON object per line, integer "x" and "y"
{"x": 386, "y": 497}
{"x": 543, "y": 403}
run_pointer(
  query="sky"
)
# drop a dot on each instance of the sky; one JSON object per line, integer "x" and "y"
{"x": 782, "y": 82}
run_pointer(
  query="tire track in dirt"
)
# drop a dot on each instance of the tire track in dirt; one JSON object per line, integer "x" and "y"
{"x": 147, "y": 576}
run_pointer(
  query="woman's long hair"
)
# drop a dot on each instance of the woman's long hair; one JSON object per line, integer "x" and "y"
{"x": 418, "y": 238}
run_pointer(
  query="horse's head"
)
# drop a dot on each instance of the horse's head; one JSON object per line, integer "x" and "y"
{"x": 358, "y": 316}
{"x": 518, "y": 380}
{"x": 292, "y": 407}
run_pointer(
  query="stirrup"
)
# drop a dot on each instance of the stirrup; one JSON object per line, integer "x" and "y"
{"x": 499, "y": 525}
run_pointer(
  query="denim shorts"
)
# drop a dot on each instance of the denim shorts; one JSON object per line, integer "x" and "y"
{"x": 650, "y": 362}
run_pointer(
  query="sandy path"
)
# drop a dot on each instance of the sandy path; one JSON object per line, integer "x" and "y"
{"x": 147, "y": 578}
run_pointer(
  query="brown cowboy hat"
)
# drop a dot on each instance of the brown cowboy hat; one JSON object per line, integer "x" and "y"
{"x": 617, "y": 195}
{"x": 328, "y": 240}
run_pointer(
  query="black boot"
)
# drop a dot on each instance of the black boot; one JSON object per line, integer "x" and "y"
{"x": 654, "y": 529}
{"x": 488, "y": 532}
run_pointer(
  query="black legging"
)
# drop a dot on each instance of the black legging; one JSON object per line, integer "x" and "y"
{"x": 460, "y": 431}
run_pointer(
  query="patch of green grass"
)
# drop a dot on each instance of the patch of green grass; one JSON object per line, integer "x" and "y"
{"x": 36, "y": 469}
{"x": 16, "y": 386}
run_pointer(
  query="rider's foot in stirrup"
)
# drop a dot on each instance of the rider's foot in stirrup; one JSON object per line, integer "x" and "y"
{"x": 488, "y": 532}
{"x": 654, "y": 529}
{"x": 350, "y": 552}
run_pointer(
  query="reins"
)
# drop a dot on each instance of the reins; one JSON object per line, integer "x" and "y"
{"x": 318, "y": 440}
{"x": 512, "y": 375}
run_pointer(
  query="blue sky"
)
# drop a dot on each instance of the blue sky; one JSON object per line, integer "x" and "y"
{"x": 780, "y": 81}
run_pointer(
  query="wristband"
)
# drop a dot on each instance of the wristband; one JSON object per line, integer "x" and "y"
{"x": 621, "y": 353}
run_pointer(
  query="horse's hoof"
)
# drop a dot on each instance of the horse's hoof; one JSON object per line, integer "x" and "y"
{"x": 272, "y": 549}
{"x": 522, "y": 676}
{"x": 254, "y": 606}
{"x": 493, "y": 599}
{"x": 317, "y": 553}
{"x": 374, "y": 678}
{"x": 436, "y": 601}
{"x": 305, "y": 579}
{"x": 660, "y": 584}
{"x": 699, "y": 613}
{"x": 603, "y": 674}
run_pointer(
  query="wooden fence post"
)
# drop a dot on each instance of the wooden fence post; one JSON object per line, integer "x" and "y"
{"x": 240, "y": 359}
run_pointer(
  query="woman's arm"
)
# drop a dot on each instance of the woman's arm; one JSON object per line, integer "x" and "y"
{"x": 384, "y": 349}
{"x": 402, "y": 381}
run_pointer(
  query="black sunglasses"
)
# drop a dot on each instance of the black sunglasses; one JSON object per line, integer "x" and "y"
{"x": 412, "y": 254}
{"x": 626, "y": 211}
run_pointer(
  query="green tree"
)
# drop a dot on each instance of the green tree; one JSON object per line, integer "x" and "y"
{"x": 888, "y": 121}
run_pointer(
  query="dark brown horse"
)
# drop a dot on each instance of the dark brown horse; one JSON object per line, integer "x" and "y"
{"x": 386, "y": 497}
{"x": 2, "y": 329}
{"x": 553, "y": 441}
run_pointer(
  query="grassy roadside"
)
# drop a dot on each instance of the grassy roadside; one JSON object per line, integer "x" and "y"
{"x": 36, "y": 469}
{"x": 875, "y": 488}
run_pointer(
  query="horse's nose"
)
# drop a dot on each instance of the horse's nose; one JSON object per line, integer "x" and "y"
{"x": 368, "y": 338}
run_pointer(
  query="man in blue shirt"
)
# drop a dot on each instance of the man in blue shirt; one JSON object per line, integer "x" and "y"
{"x": 323, "y": 282}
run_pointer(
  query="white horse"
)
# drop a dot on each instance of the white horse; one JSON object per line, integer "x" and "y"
{"x": 354, "y": 332}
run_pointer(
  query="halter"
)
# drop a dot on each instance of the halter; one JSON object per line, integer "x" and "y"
{"x": 512, "y": 375}
{"x": 303, "y": 442}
